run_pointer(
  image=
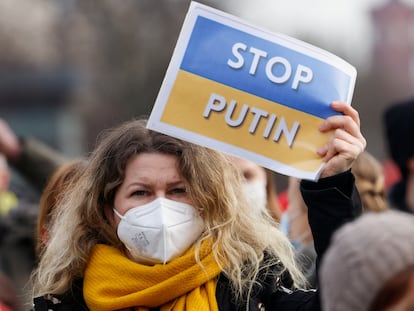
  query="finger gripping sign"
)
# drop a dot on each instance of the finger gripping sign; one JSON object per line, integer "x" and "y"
{"x": 245, "y": 91}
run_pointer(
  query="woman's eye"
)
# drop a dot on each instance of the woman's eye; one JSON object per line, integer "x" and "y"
{"x": 247, "y": 175}
{"x": 178, "y": 191}
{"x": 140, "y": 193}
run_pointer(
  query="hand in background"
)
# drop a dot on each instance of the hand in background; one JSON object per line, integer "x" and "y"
{"x": 9, "y": 143}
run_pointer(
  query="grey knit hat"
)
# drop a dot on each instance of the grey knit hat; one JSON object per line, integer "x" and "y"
{"x": 363, "y": 256}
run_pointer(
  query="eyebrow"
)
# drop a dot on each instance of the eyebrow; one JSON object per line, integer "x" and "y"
{"x": 149, "y": 184}
{"x": 178, "y": 182}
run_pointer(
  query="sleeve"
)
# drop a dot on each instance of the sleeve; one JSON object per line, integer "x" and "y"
{"x": 298, "y": 300}
{"x": 332, "y": 202}
{"x": 73, "y": 300}
{"x": 37, "y": 162}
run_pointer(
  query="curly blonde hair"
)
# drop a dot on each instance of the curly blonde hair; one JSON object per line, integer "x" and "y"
{"x": 240, "y": 238}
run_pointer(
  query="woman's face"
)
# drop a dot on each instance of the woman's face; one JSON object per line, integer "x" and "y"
{"x": 250, "y": 170}
{"x": 406, "y": 302}
{"x": 149, "y": 176}
{"x": 297, "y": 212}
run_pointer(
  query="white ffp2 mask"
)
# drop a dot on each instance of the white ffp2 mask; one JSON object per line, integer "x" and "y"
{"x": 160, "y": 230}
{"x": 256, "y": 194}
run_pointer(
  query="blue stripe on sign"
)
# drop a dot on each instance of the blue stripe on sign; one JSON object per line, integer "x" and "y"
{"x": 210, "y": 47}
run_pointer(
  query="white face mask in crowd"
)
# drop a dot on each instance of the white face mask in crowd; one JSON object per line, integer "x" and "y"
{"x": 285, "y": 225}
{"x": 256, "y": 194}
{"x": 160, "y": 230}
{"x": 299, "y": 243}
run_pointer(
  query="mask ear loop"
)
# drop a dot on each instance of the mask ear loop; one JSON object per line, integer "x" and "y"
{"x": 118, "y": 214}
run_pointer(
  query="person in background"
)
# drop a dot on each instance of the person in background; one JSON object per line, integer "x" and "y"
{"x": 260, "y": 187}
{"x": 295, "y": 225}
{"x": 369, "y": 265}
{"x": 31, "y": 158}
{"x": 8, "y": 200}
{"x": 8, "y": 295}
{"x": 16, "y": 240}
{"x": 370, "y": 181}
{"x": 60, "y": 181}
{"x": 157, "y": 222}
{"x": 399, "y": 133}
{"x": 31, "y": 163}
{"x": 21, "y": 239}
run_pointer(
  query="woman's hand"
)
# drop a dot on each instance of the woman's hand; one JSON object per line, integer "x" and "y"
{"x": 346, "y": 143}
{"x": 9, "y": 143}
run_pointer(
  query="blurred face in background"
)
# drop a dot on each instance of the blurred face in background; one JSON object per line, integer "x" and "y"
{"x": 255, "y": 182}
{"x": 298, "y": 230}
{"x": 397, "y": 294}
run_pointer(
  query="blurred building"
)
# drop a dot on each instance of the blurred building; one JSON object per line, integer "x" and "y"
{"x": 392, "y": 71}
{"x": 393, "y": 57}
{"x": 36, "y": 83}
{"x": 35, "y": 103}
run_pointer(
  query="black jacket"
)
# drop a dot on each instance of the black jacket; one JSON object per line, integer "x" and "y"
{"x": 396, "y": 197}
{"x": 331, "y": 202}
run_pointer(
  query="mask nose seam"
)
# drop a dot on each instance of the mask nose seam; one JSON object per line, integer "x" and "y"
{"x": 164, "y": 232}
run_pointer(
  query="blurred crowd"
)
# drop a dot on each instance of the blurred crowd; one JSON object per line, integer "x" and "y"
{"x": 354, "y": 260}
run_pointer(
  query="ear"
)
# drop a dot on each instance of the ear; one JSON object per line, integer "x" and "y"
{"x": 410, "y": 164}
{"x": 110, "y": 215}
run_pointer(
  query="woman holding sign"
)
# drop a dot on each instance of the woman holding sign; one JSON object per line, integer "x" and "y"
{"x": 156, "y": 223}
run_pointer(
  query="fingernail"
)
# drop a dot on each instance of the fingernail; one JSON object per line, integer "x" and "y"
{"x": 321, "y": 150}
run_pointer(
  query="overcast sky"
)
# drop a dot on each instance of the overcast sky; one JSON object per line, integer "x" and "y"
{"x": 342, "y": 26}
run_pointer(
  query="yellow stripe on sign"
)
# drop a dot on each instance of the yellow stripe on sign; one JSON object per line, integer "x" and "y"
{"x": 240, "y": 119}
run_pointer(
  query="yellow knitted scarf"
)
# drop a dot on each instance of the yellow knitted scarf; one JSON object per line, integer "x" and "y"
{"x": 114, "y": 282}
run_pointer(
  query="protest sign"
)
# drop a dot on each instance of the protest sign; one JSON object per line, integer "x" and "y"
{"x": 243, "y": 90}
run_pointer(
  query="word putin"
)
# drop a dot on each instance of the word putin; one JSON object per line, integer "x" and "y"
{"x": 218, "y": 103}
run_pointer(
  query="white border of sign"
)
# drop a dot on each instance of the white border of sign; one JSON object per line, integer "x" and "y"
{"x": 196, "y": 9}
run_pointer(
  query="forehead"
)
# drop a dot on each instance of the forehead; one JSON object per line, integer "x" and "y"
{"x": 245, "y": 165}
{"x": 149, "y": 164}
